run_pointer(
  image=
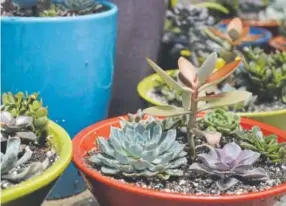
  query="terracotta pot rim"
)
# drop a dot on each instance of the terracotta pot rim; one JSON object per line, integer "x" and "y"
{"x": 275, "y": 42}
{"x": 92, "y": 173}
{"x": 257, "y": 23}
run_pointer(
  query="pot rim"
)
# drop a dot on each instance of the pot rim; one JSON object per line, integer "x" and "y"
{"x": 274, "y": 42}
{"x": 92, "y": 173}
{"x": 256, "y": 23}
{"x": 17, "y": 19}
{"x": 149, "y": 80}
{"x": 57, "y": 168}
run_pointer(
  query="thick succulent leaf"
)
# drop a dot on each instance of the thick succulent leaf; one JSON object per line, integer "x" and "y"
{"x": 235, "y": 24}
{"x": 231, "y": 150}
{"x": 174, "y": 172}
{"x": 6, "y": 117}
{"x": 230, "y": 98}
{"x": 178, "y": 163}
{"x": 258, "y": 174}
{"x": 225, "y": 184}
{"x": 165, "y": 111}
{"x": 140, "y": 164}
{"x": 108, "y": 170}
{"x": 107, "y": 161}
{"x": 104, "y": 146}
{"x": 11, "y": 156}
{"x": 247, "y": 157}
{"x": 165, "y": 76}
{"x": 219, "y": 33}
{"x": 186, "y": 100}
{"x": 94, "y": 159}
{"x": 220, "y": 74}
{"x": 207, "y": 68}
{"x": 135, "y": 150}
{"x": 166, "y": 158}
{"x": 150, "y": 155}
{"x": 115, "y": 134}
{"x": 27, "y": 155}
{"x": 164, "y": 176}
{"x": 27, "y": 135}
{"x": 199, "y": 168}
{"x": 189, "y": 71}
{"x": 168, "y": 141}
{"x": 122, "y": 159}
{"x": 213, "y": 5}
{"x": 212, "y": 97}
{"x": 211, "y": 162}
{"x": 23, "y": 121}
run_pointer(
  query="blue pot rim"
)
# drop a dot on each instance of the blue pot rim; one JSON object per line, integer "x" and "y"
{"x": 110, "y": 12}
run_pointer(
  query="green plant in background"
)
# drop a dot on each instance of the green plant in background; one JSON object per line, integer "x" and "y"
{"x": 193, "y": 84}
{"x": 229, "y": 163}
{"x": 221, "y": 121}
{"x": 282, "y": 28}
{"x": 139, "y": 149}
{"x": 266, "y": 145}
{"x": 28, "y": 105}
{"x": 265, "y": 74}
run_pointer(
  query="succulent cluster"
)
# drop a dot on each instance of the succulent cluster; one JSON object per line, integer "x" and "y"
{"x": 140, "y": 150}
{"x": 265, "y": 74}
{"x": 221, "y": 121}
{"x": 187, "y": 23}
{"x": 276, "y": 10}
{"x": 229, "y": 164}
{"x": 30, "y": 106}
{"x": 17, "y": 169}
{"x": 249, "y": 9}
{"x": 268, "y": 146}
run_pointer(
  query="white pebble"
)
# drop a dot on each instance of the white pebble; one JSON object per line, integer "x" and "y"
{"x": 182, "y": 182}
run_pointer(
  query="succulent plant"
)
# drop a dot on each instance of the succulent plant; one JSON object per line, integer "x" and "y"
{"x": 268, "y": 146}
{"x": 16, "y": 127}
{"x": 276, "y": 10}
{"x": 193, "y": 84}
{"x": 28, "y": 105}
{"x": 265, "y": 74}
{"x": 17, "y": 169}
{"x": 221, "y": 121}
{"x": 140, "y": 150}
{"x": 229, "y": 164}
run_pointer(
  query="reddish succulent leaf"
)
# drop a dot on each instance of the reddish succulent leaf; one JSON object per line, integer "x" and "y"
{"x": 188, "y": 72}
{"x": 235, "y": 24}
{"x": 219, "y": 33}
{"x": 252, "y": 37}
{"x": 224, "y": 71}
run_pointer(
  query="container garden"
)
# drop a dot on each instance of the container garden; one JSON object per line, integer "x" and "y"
{"x": 70, "y": 57}
{"x": 31, "y": 180}
{"x": 145, "y": 160}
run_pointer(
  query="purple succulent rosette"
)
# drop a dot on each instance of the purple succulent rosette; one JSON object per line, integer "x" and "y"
{"x": 228, "y": 163}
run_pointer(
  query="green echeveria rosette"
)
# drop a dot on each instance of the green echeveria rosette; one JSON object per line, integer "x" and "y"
{"x": 140, "y": 151}
{"x": 28, "y": 105}
{"x": 221, "y": 121}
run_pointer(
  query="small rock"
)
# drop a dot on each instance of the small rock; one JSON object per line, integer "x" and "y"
{"x": 182, "y": 182}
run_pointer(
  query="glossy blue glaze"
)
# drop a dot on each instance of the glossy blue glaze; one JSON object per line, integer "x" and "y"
{"x": 267, "y": 35}
{"x": 70, "y": 61}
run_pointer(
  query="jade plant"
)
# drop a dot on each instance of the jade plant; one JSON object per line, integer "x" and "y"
{"x": 139, "y": 149}
{"x": 24, "y": 125}
{"x": 264, "y": 74}
{"x": 193, "y": 84}
{"x": 268, "y": 146}
{"x": 229, "y": 163}
{"x": 221, "y": 121}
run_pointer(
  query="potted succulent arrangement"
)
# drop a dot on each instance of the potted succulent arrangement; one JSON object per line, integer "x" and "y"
{"x": 279, "y": 42}
{"x": 67, "y": 49}
{"x": 34, "y": 150}
{"x": 262, "y": 74}
{"x": 166, "y": 155}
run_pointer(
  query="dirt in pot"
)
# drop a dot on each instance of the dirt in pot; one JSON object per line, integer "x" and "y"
{"x": 44, "y": 8}
{"x": 25, "y": 139}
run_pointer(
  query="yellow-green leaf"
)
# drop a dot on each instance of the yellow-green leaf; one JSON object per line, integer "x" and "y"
{"x": 213, "y": 5}
{"x": 229, "y": 98}
{"x": 165, "y": 111}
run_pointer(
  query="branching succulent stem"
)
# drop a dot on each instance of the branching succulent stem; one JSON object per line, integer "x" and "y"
{"x": 192, "y": 124}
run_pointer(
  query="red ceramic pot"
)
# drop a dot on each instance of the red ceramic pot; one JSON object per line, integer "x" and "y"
{"x": 278, "y": 43}
{"x": 109, "y": 192}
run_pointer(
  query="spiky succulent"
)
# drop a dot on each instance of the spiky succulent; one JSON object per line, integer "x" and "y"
{"x": 221, "y": 121}
{"x": 16, "y": 127}
{"x": 140, "y": 150}
{"x": 249, "y": 9}
{"x": 265, "y": 74}
{"x": 28, "y": 105}
{"x": 229, "y": 164}
{"x": 268, "y": 146}
{"x": 14, "y": 163}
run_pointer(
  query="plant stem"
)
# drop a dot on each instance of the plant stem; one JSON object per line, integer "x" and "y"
{"x": 192, "y": 124}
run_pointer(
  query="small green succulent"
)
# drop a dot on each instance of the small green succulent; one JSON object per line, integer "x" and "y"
{"x": 221, "y": 121}
{"x": 265, "y": 74}
{"x": 28, "y": 105}
{"x": 266, "y": 145}
{"x": 140, "y": 150}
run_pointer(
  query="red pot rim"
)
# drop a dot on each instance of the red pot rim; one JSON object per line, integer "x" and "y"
{"x": 78, "y": 154}
{"x": 255, "y": 23}
{"x": 277, "y": 42}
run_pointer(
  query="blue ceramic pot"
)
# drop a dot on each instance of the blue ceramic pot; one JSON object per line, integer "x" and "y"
{"x": 266, "y": 35}
{"x": 70, "y": 61}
